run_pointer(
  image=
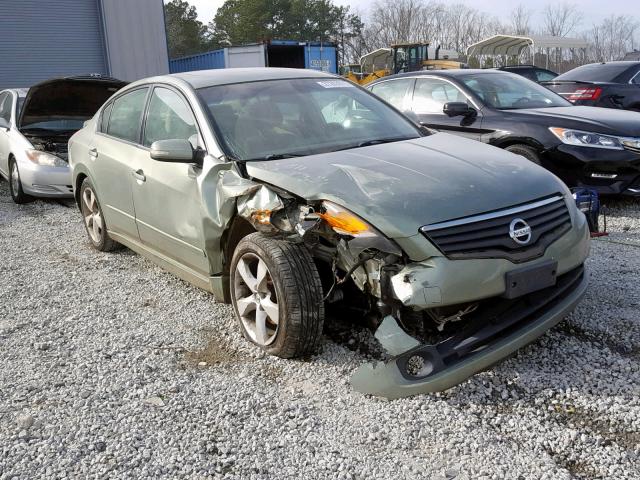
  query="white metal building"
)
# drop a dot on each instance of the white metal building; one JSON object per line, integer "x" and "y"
{"x": 41, "y": 39}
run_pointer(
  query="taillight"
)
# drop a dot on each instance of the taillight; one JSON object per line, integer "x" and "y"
{"x": 583, "y": 93}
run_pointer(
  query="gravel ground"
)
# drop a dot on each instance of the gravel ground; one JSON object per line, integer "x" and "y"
{"x": 110, "y": 367}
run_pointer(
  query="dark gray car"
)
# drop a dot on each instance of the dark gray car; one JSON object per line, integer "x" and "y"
{"x": 288, "y": 192}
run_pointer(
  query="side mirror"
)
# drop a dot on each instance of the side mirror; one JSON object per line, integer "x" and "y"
{"x": 4, "y": 124}
{"x": 178, "y": 151}
{"x": 456, "y": 109}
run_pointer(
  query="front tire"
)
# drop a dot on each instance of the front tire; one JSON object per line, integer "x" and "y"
{"x": 15, "y": 184}
{"x": 93, "y": 218}
{"x": 277, "y": 295}
{"x": 525, "y": 151}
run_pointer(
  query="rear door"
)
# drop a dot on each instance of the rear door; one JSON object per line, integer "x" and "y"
{"x": 429, "y": 97}
{"x": 167, "y": 195}
{"x": 115, "y": 155}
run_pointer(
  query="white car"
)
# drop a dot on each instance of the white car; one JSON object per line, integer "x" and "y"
{"x": 35, "y": 126}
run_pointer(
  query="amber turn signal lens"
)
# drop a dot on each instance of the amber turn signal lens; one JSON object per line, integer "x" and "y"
{"x": 343, "y": 221}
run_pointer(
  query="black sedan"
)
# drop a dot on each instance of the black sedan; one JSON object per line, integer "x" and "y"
{"x": 610, "y": 85}
{"x": 531, "y": 72}
{"x": 585, "y": 146}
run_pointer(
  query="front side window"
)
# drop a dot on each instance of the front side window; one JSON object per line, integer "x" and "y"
{"x": 506, "y": 91}
{"x": 297, "y": 117}
{"x": 431, "y": 94}
{"x": 126, "y": 115}
{"x": 169, "y": 118}
{"x": 393, "y": 91}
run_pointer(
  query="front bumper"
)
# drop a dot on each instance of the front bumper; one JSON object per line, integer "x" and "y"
{"x": 477, "y": 346}
{"x": 589, "y": 168}
{"x": 44, "y": 181}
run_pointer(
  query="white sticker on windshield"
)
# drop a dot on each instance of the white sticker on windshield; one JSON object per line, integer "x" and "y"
{"x": 335, "y": 83}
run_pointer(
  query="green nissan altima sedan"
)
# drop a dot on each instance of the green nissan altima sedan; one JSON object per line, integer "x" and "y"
{"x": 290, "y": 192}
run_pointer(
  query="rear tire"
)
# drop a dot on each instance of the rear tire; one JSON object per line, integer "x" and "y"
{"x": 277, "y": 295}
{"x": 525, "y": 151}
{"x": 93, "y": 219}
{"x": 15, "y": 184}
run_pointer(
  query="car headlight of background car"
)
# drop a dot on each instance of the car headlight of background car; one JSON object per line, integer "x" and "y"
{"x": 46, "y": 159}
{"x": 595, "y": 140}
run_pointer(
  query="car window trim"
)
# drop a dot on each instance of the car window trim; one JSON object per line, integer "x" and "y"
{"x": 631, "y": 80}
{"x": 184, "y": 98}
{"x": 436, "y": 77}
{"x": 113, "y": 100}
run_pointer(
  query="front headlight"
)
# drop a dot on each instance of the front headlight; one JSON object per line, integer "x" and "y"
{"x": 46, "y": 159}
{"x": 587, "y": 139}
{"x": 344, "y": 222}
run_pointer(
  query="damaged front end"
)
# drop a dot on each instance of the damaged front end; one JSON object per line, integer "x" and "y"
{"x": 432, "y": 342}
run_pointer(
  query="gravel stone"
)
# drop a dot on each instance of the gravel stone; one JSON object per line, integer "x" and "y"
{"x": 124, "y": 331}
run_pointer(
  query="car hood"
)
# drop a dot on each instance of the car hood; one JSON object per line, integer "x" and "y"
{"x": 592, "y": 119}
{"x": 73, "y": 98}
{"x": 399, "y": 187}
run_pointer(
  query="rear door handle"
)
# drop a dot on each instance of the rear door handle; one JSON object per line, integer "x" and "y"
{"x": 93, "y": 152}
{"x": 139, "y": 175}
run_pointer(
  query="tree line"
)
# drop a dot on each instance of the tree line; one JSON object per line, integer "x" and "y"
{"x": 452, "y": 26}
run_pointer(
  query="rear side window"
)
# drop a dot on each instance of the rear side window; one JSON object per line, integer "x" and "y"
{"x": 126, "y": 115}
{"x": 169, "y": 118}
{"x": 544, "y": 76}
{"x": 104, "y": 120}
{"x": 636, "y": 80}
{"x": 5, "y": 106}
{"x": 393, "y": 91}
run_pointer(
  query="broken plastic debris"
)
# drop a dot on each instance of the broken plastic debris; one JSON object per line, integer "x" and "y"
{"x": 393, "y": 339}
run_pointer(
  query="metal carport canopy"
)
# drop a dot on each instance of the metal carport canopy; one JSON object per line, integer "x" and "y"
{"x": 514, "y": 44}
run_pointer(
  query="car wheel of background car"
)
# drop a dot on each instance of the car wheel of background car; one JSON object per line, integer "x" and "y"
{"x": 94, "y": 220}
{"x": 277, "y": 295}
{"x": 15, "y": 184}
{"x": 526, "y": 151}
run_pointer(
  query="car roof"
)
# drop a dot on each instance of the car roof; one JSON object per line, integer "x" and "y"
{"x": 453, "y": 73}
{"x": 224, "y": 76}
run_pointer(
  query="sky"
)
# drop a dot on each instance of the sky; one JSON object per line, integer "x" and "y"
{"x": 592, "y": 9}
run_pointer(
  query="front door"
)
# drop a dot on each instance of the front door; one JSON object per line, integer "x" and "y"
{"x": 167, "y": 195}
{"x": 429, "y": 97}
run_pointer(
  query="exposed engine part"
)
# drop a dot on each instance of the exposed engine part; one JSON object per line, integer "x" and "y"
{"x": 56, "y": 147}
{"x": 441, "y": 320}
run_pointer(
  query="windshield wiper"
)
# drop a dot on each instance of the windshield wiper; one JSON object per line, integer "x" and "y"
{"x": 274, "y": 156}
{"x": 377, "y": 141}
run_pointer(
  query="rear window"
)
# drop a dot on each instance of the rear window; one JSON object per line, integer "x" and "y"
{"x": 596, "y": 72}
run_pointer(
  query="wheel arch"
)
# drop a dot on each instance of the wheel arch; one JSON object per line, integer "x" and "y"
{"x": 238, "y": 229}
{"x": 528, "y": 141}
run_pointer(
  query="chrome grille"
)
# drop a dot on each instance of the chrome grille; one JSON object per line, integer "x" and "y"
{"x": 487, "y": 235}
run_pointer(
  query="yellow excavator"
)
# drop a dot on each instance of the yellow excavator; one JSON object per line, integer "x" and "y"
{"x": 401, "y": 57}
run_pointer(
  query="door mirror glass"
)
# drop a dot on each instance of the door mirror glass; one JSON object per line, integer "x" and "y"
{"x": 175, "y": 150}
{"x": 4, "y": 123}
{"x": 455, "y": 109}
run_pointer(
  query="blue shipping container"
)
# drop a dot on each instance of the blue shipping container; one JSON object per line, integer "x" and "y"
{"x": 315, "y": 55}
{"x": 321, "y": 57}
{"x": 202, "y": 61}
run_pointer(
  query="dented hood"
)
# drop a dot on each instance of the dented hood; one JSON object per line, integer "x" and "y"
{"x": 399, "y": 187}
{"x": 70, "y": 98}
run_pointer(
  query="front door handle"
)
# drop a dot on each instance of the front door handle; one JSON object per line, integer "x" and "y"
{"x": 139, "y": 175}
{"x": 93, "y": 153}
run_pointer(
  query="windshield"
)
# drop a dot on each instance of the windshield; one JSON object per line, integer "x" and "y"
{"x": 506, "y": 91}
{"x": 596, "y": 72}
{"x": 276, "y": 118}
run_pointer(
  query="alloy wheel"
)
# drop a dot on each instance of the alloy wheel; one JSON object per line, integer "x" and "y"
{"x": 92, "y": 216}
{"x": 15, "y": 178}
{"x": 256, "y": 299}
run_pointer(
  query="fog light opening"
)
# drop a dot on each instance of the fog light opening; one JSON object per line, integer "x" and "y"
{"x": 417, "y": 366}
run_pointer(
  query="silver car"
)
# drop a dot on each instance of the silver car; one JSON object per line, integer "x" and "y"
{"x": 35, "y": 126}
{"x": 287, "y": 192}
